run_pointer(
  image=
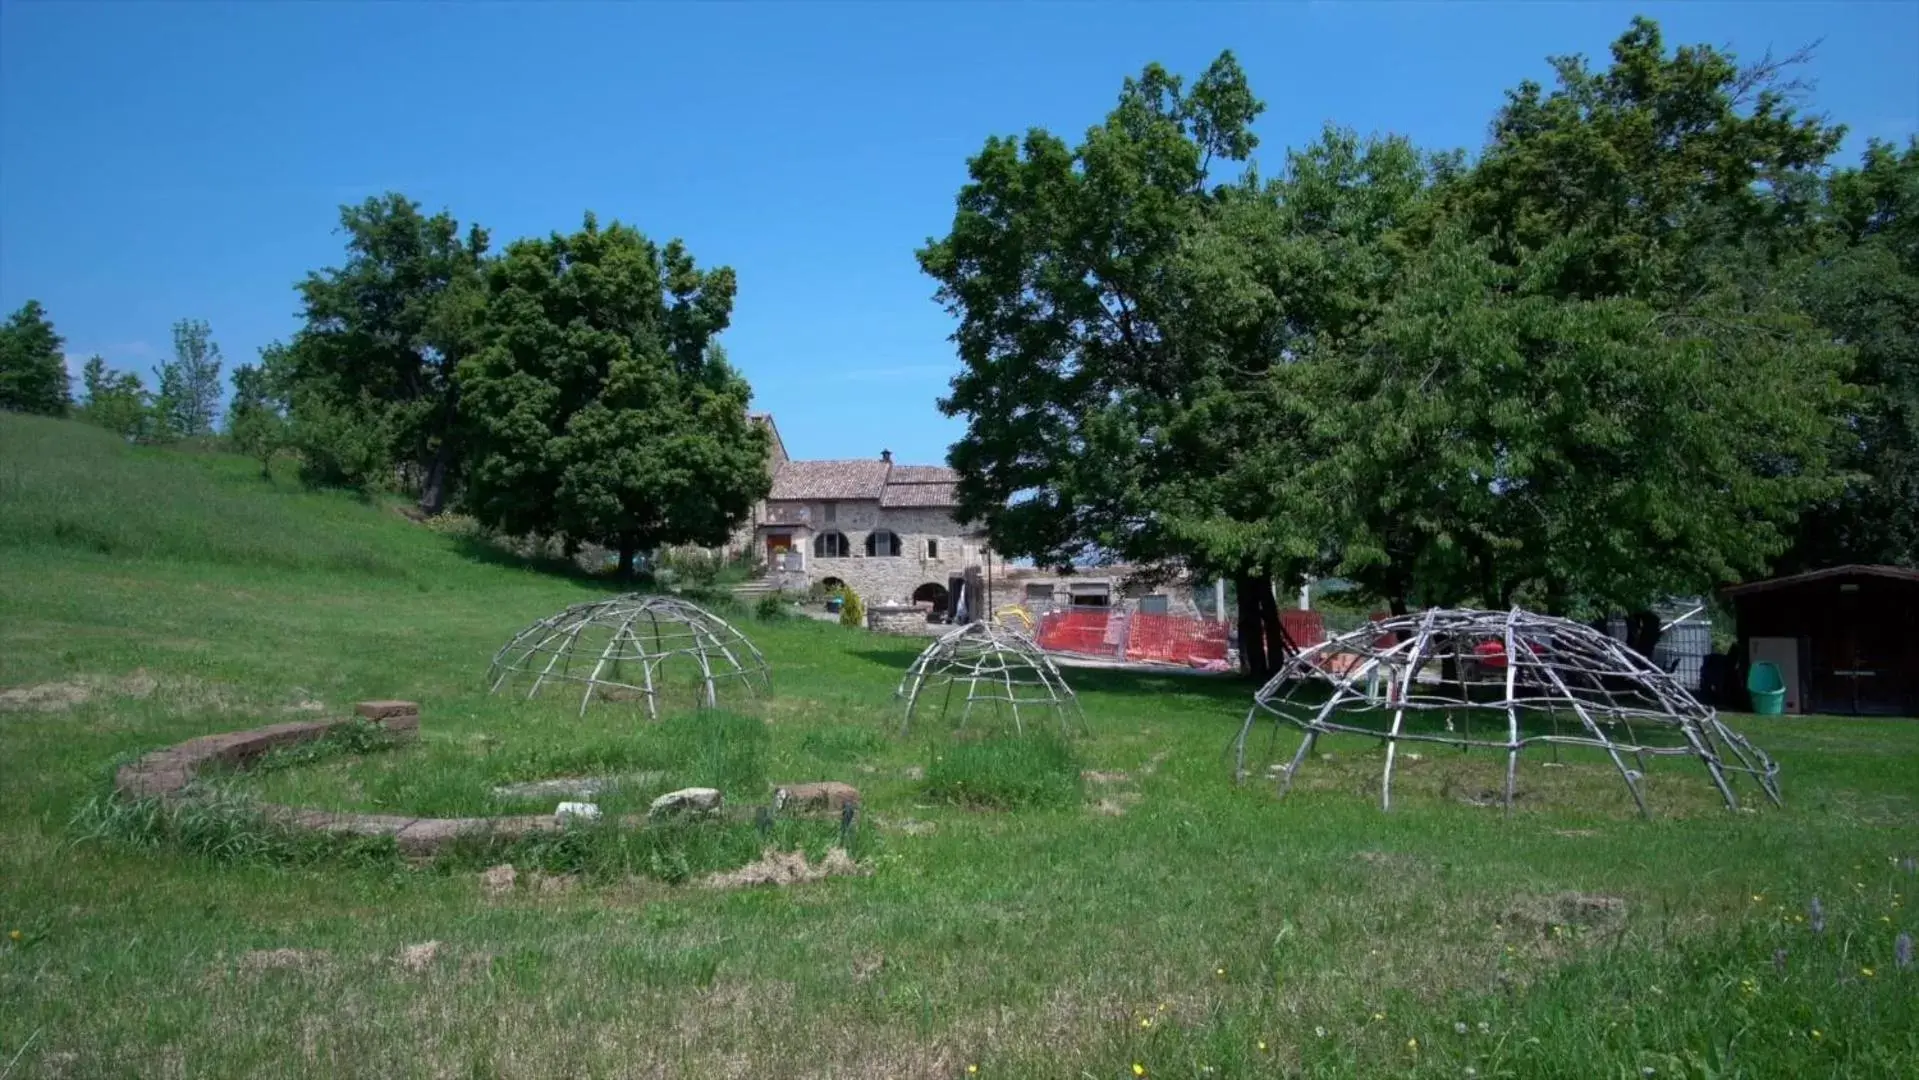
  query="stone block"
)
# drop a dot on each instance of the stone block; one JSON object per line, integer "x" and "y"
{"x": 386, "y": 710}
{"x": 147, "y": 782}
{"x": 369, "y": 824}
{"x": 827, "y": 795}
{"x": 693, "y": 800}
{"x": 518, "y": 825}
{"x": 428, "y": 835}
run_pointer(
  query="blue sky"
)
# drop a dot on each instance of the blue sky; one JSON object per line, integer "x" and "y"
{"x": 161, "y": 161}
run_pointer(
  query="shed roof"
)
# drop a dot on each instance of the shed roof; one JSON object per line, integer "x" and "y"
{"x": 1893, "y": 573}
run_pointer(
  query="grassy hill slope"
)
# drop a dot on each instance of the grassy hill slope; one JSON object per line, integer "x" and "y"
{"x": 1156, "y": 920}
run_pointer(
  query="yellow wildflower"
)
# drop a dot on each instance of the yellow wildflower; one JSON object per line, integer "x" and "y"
{"x": 1413, "y": 1045}
{"x": 15, "y": 934}
{"x": 1145, "y": 1021}
{"x": 1379, "y": 1016}
{"x": 1262, "y": 1046}
{"x": 1816, "y": 1034}
{"x": 1138, "y": 1069}
{"x": 1867, "y": 972}
{"x": 1162, "y": 1006}
{"x": 1758, "y": 898}
{"x": 1219, "y": 971}
{"x": 972, "y": 1069}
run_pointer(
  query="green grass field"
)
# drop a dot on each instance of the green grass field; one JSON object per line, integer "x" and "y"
{"x": 1149, "y": 918}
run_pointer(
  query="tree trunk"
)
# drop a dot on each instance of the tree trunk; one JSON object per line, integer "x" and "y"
{"x": 1263, "y": 644}
{"x": 1279, "y": 647}
{"x": 1642, "y": 632}
{"x": 1252, "y": 636}
{"x": 434, "y": 468}
{"x": 628, "y": 549}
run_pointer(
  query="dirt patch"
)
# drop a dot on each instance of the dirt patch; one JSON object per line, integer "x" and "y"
{"x": 1153, "y": 763}
{"x": 1095, "y": 776}
{"x": 45, "y": 697}
{"x": 552, "y": 883}
{"x": 1117, "y": 804}
{"x": 1556, "y": 913}
{"x": 417, "y": 958}
{"x": 1575, "y": 833}
{"x": 912, "y": 827}
{"x": 258, "y": 960}
{"x": 787, "y": 868}
{"x": 497, "y": 880}
{"x": 71, "y": 693}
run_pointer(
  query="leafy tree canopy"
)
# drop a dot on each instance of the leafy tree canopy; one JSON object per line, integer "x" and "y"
{"x": 33, "y": 367}
{"x": 602, "y": 408}
{"x": 189, "y": 395}
{"x": 116, "y": 400}
{"x": 1864, "y": 288}
{"x": 370, "y": 377}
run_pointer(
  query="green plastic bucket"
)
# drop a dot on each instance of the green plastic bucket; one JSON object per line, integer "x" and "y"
{"x": 1768, "y": 689}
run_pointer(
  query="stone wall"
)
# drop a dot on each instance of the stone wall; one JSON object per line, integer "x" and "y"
{"x": 1045, "y": 590}
{"x": 885, "y": 577}
{"x": 899, "y": 619}
{"x": 167, "y": 774}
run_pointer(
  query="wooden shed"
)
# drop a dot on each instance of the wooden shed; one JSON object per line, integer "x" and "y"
{"x": 1846, "y": 639}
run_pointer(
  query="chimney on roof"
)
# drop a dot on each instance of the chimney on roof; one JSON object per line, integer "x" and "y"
{"x": 886, "y": 456}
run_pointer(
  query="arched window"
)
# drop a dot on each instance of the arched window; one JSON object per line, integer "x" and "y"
{"x": 882, "y": 542}
{"x": 831, "y": 545}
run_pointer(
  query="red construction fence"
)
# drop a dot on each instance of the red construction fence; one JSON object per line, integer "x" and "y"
{"x": 1135, "y": 636}
{"x": 1122, "y": 634}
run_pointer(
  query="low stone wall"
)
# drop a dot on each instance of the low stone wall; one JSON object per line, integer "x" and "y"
{"x": 165, "y": 774}
{"x": 899, "y": 619}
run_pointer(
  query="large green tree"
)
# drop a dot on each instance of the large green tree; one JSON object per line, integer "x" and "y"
{"x": 1585, "y": 455}
{"x": 1100, "y": 360}
{"x": 33, "y": 369}
{"x": 189, "y": 384}
{"x": 1863, "y": 286}
{"x": 1595, "y": 388}
{"x": 370, "y": 377}
{"x": 115, "y": 400}
{"x": 256, "y": 420}
{"x": 602, "y": 409}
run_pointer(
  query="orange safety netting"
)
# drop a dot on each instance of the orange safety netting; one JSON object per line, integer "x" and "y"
{"x": 1179, "y": 639}
{"x": 1077, "y": 631}
{"x": 1304, "y": 629}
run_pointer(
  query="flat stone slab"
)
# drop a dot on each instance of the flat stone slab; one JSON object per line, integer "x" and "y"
{"x": 693, "y": 800}
{"x": 827, "y": 795}
{"x": 578, "y": 787}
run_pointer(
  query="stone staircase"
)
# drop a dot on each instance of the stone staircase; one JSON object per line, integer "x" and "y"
{"x": 749, "y": 592}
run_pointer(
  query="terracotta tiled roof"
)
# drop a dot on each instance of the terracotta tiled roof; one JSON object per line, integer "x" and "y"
{"x": 921, "y": 485}
{"x": 862, "y": 479}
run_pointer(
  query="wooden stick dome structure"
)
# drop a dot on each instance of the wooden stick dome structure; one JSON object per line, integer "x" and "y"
{"x": 995, "y": 664}
{"x": 1529, "y": 679}
{"x": 630, "y": 646}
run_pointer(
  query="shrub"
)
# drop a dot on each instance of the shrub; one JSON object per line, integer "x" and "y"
{"x": 772, "y": 607}
{"x": 852, "y": 612}
{"x": 1006, "y": 771}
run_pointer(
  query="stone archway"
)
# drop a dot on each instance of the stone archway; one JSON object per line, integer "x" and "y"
{"x": 934, "y": 593}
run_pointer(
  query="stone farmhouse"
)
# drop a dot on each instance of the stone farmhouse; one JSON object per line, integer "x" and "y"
{"x": 884, "y": 530}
